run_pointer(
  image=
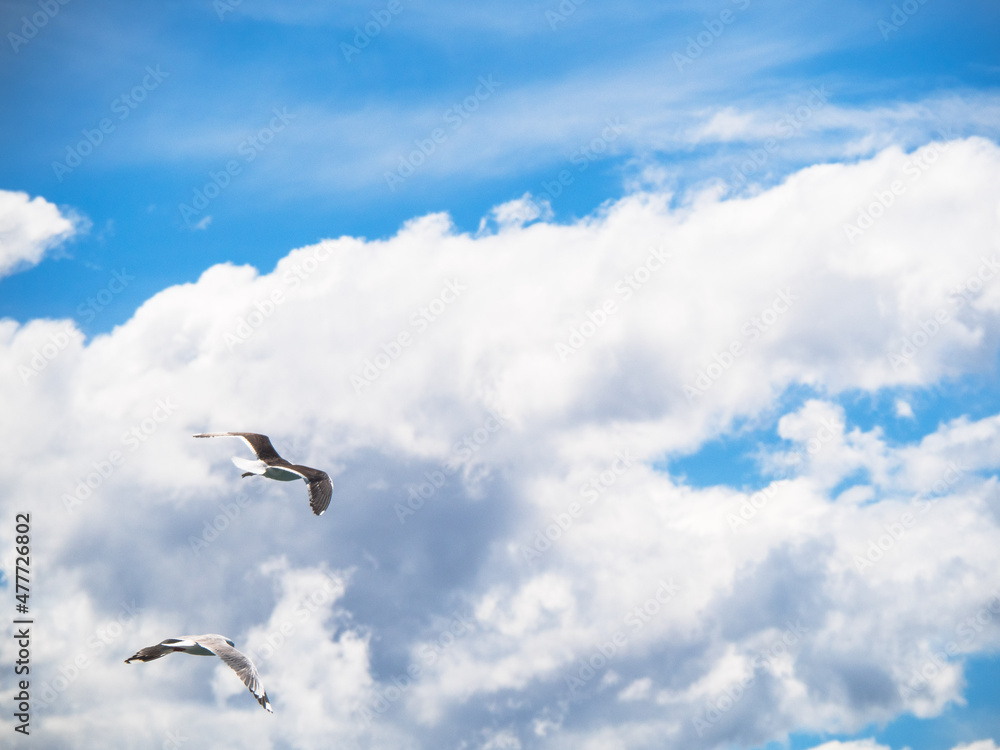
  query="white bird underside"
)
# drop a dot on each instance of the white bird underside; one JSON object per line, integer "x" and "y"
{"x": 262, "y": 469}
{"x": 211, "y": 644}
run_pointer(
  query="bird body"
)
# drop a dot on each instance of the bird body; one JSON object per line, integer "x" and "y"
{"x": 211, "y": 644}
{"x": 272, "y": 466}
{"x": 262, "y": 469}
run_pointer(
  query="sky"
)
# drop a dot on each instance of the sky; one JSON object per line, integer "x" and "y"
{"x": 651, "y": 348}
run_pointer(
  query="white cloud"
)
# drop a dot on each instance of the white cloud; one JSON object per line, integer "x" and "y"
{"x": 518, "y": 212}
{"x": 638, "y": 690}
{"x": 28, "y": 229}
{"x": 870, "y": 744}
{"x": 903, "y": 409}
{"x": 523, "y": 127}
{"x": 511, "y": 392}
{"x": 727, "y": 124}
{"x": 503, "y": 740}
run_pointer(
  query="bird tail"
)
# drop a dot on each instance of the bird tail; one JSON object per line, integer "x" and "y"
{"x": 252, "y": 467}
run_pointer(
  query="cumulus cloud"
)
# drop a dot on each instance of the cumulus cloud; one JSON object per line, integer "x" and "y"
{"x": 519, "y": 212}
{"x": 904, "y": 409}
{"x": 505, "y": 555}
{"x": 28, "y": 229}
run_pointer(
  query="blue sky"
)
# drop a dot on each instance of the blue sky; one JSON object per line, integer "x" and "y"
{"x": 369, "y": 228}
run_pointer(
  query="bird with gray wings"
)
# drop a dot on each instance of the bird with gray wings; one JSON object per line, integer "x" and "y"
{"x": 211, "y": 644}
{"x": 269, "y": 464}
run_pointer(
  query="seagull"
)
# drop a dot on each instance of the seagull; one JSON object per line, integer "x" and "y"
{"x": 210, "y": 645}
{"x": 273, "y": 466}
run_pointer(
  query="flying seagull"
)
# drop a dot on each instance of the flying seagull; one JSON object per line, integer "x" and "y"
{"x": 273, "y": 466}
{"x": 210, "y": 645}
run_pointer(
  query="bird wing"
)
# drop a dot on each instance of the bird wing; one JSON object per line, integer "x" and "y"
{"x": 320, "y": 486}
{"x": 239, "y": 663}
{"x": 259, "y": 444}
